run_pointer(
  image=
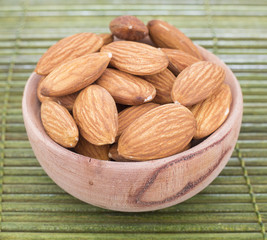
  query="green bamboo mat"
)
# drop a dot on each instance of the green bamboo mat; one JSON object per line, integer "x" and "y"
{"x": 233, "y": 207}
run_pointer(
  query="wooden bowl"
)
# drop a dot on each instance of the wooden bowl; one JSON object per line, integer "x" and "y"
{"x": 135, "y": 186}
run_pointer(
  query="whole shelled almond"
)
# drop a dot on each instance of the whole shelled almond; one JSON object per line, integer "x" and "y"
{"x": 165, "y": 35}
{"x": 106, "y": 37}
{"x": 88, "y": 149}
{"x": 212, "y": 112}
{"x": 128, "y": 28}
{"x": 136, "y": 58}
{"x": 96, "y": 115}
{"x": 129, "y": 115}
{"x": 59, "y": 124}
{"x": 159, "y": 133}
{"x": 68, "y": 49}
{"x": 75, "y": 75}
{"x": 197, "y": 82}
{"x": 179, "y": 60}
{"x": 126, "y": 88}
{"x": 66, "y": 101}
{"x": 163, "y": 83}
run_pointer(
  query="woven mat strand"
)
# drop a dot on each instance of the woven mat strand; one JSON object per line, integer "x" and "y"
{"x": 234, "y": 206}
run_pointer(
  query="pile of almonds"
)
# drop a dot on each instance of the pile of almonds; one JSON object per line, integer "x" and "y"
{"x": 139, "y": 93}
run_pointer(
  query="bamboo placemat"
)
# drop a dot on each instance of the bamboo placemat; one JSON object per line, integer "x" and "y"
{"x": 234, "y": 206}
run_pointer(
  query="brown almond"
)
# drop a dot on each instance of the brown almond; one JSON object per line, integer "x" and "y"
{"x": 165, "y": 35}
{"x": 68, "y": 49}
{"x": 126, "y": 88}
{"x": 129, "y": 115}
{"x": 106, "y": 37}
{"x": 88, "y": 149}
{"x": 66, "y": 101}
{"x": 163, "y": 83}
{"x": 136, "y": 58}
{"x": 40, "y": 96}
{"x": 161, "y": 132}
{"x": 75, "y": 75}
{"x": 197, "y": 82}
{"x": 59, "y": 124}
{"x": 113, "y": 154}
{"x": 212, "y": 112}
{"x": 128, "y": 28}
{"x": 179, "y": 60}
{"x": 96, "y": 115}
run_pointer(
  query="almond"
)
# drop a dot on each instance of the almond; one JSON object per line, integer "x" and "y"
{"x": 212, "y": 112}
{"x": 165, "y": 35}
{"x": 161, "y": 132}
{"x": 96, "y": 115}
{"x": 128, "y": 28}
{"x": 68, "y": 49}
{"x": 59, "y": 124}
{"x": 197, "y": 82}
{"x": 66, "y": 101}
{"x": 126, "y": 88}
{"x": 40, "y": 96}
{"x": 163, "y": 83}
{"x": 75, "y": 75}
{"x": 129, "y": 115}
{"x": 179, "y": 60}
{"x": 136, "y": 58}
{"x": 113, "y": 153}
{"x": 106, "y": 37}
{"x": 88, "y": 149}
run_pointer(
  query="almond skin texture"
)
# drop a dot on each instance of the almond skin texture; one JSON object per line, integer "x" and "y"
{"x": 96, "y": 115}
{"x": 68, "y": 49}
{"x": 66, "y": 101}
{"x": 106, "y": 37}
{"x": 212, "y": 112}
{"x": 75, "y": 75}
{"x": 128, "y": 28}
{"x": 136, "y": 58}
{"x": 165, "y": 35}
{"x": 59, "y": 124}
{"x": 129, "y": 115}
{"x": 163, "y": 83}
{"x": 179, "y": 60}
{"x": 126, "y": 88}
{"x": 85, "y": 148}
{"x": 161, "y": 132}
{"x": 197, "y": 82}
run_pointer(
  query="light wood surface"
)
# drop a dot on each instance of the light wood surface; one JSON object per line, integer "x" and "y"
{"x": 138, "y": 186}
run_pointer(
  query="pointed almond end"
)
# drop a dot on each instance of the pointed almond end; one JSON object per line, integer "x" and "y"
{"x": 44, "y": 91}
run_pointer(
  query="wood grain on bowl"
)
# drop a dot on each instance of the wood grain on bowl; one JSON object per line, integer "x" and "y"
{"x": 135, "y": 186}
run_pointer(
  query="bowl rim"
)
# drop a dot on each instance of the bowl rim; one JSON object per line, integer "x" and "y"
{"x": 236, "y": 107}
